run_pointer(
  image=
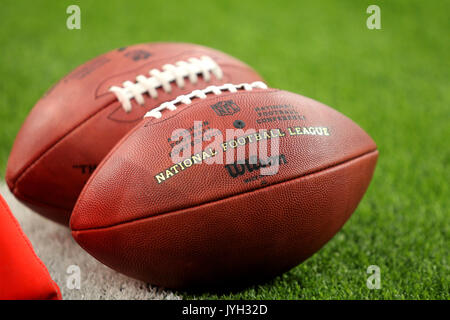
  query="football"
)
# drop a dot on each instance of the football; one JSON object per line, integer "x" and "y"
{"x": 227, "y": 184}
{"x": 85, "y": 114}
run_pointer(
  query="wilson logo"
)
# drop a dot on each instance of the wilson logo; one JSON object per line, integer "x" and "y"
{"x": 85, "y": 168}
{"x": 238, "y": 169}
{"x": 225, "y": 108}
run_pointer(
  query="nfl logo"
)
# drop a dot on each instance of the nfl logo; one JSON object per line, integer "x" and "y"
{"x": 225, "y": 108}
{"x": 137, "y": 55}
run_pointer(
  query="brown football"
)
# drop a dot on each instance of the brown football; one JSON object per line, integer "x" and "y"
{"x": 229, "y": 183}
{"x": 82, "y": 117}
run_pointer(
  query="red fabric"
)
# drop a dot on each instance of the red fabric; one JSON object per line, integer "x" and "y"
{"x": 23, "y": 276}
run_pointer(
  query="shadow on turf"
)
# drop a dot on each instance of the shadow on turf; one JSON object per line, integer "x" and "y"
{"x": 240, "y": 286}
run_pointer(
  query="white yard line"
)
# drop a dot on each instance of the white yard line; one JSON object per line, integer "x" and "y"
{"x": 53, "y": 243}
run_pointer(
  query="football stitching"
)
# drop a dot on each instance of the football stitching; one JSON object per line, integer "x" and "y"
{"x": 202, "y": 94}
{"x": 172, "y": 73}
{"x": 38, "y": 158}
{"x": 149, "y": 122}
{"x": 119, "y": 224}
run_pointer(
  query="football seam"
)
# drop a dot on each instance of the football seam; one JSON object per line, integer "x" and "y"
{"x": 335, "y": 165}
{"x": 222, "y": 65}
{"x": 32, "y": 164}
{"x": 156, "y": 122}
{"x": 225, "y": 94}
{"x": 175, "y": 57}
{"x": 73, "y": 129}
{"x": 30, "y": 200}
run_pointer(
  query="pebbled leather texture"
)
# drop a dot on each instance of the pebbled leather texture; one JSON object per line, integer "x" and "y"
{"x": 205, "y": 226}
{"x": 78, "y": 121}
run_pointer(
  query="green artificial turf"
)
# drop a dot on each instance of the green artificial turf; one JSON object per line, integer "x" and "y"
{"x": 393, "y": 82}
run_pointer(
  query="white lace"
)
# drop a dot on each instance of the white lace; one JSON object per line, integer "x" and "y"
{"x": 187, "y": 99}
{"x": 182, "y": 69}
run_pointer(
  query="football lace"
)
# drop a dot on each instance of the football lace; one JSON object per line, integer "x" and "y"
{"x": 202, "y": 94}
{"x": 191, "y": 69}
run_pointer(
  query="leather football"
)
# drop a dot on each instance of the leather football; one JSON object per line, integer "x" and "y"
{"x": 227, "y": 184}
{"x": 85, "y": 114}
